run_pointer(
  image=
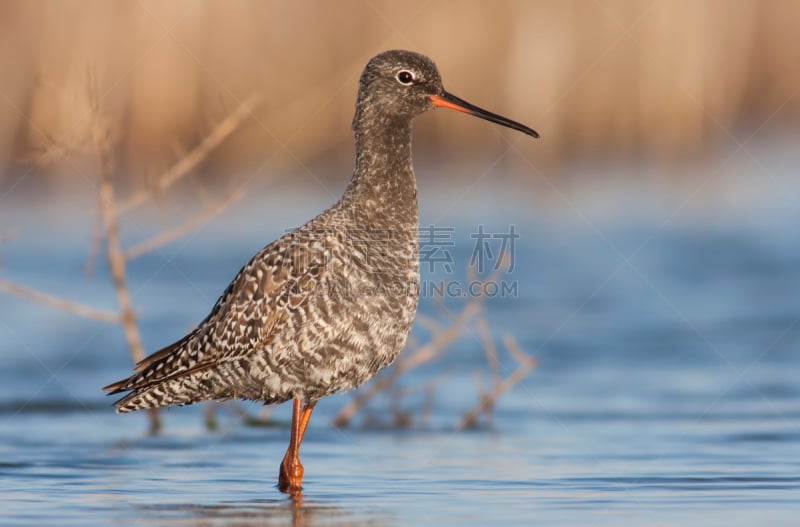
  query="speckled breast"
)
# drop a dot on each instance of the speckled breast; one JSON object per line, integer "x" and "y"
{"x": 354, "y": 318}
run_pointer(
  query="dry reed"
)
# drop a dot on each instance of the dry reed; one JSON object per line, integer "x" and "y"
{"x": 661, "y": 76}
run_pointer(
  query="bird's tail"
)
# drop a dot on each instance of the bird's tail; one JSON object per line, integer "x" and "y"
{"x": 179, "y": 389}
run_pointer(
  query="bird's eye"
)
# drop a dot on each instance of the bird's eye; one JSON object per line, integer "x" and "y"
{"x": 405, "y": 77}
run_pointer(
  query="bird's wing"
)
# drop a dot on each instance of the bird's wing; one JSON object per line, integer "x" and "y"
{"x": 247, "y": 316}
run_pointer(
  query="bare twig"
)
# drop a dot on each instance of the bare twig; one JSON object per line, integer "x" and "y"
{"x": 429, "y": 323}
{"x": 428, "y": 352}
{"x": 514, "y": 349}
{"x": 489, "y": 348}
{"x": 114, "y": 254}
{"x": 169, "y": 236}
{"x": 57, "y": 302}
{"x": 196, "y": 156}
{"x": 483, "y": 394}
{"x": 526, "y": 364}
{"x": 55, "y": 150}
{"x": 401, "y": 418}
{"x": 185, "y": 164}
{"x": 427, "y": 403}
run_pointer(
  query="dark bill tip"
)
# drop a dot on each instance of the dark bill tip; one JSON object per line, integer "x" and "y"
{"x": 448, "y": 100}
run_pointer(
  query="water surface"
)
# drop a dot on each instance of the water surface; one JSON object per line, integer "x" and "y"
{"x": 666, "y": 392}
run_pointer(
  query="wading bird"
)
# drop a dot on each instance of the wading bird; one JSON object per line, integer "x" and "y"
{"x": 326, "y": 306}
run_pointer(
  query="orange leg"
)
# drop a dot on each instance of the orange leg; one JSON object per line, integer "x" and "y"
{"x": 304, "y": 418}
{"x": 290, "y": 478}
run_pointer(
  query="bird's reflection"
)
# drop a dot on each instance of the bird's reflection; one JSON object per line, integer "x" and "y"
{"x": 293, "y": 508}
{"x": 298, "y": 511}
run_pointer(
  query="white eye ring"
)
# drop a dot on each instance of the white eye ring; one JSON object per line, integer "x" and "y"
{"x": 405, "y": 77}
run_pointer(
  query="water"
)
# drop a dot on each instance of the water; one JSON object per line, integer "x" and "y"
{"x": 666, "y": 392}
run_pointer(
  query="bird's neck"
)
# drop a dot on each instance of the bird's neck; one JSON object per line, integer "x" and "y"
{"x": 383, "y": 182}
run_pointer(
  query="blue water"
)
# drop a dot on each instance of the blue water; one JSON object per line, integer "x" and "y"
{"x": 667, "y": 391}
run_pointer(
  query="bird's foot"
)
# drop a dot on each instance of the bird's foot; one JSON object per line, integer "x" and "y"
{"x": 290, "y": 477}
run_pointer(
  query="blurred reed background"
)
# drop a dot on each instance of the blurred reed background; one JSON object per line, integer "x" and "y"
{"x": 662, "y": 78}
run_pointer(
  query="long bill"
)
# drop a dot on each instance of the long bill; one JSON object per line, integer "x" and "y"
{"x": 448, "y": 100}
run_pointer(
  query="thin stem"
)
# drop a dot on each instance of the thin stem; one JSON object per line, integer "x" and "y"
{"x": 114, "y": 254}
{"x": 57, "y": 302}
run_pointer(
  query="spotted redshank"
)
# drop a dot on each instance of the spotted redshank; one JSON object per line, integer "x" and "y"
{"x": 326, "y": 306}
